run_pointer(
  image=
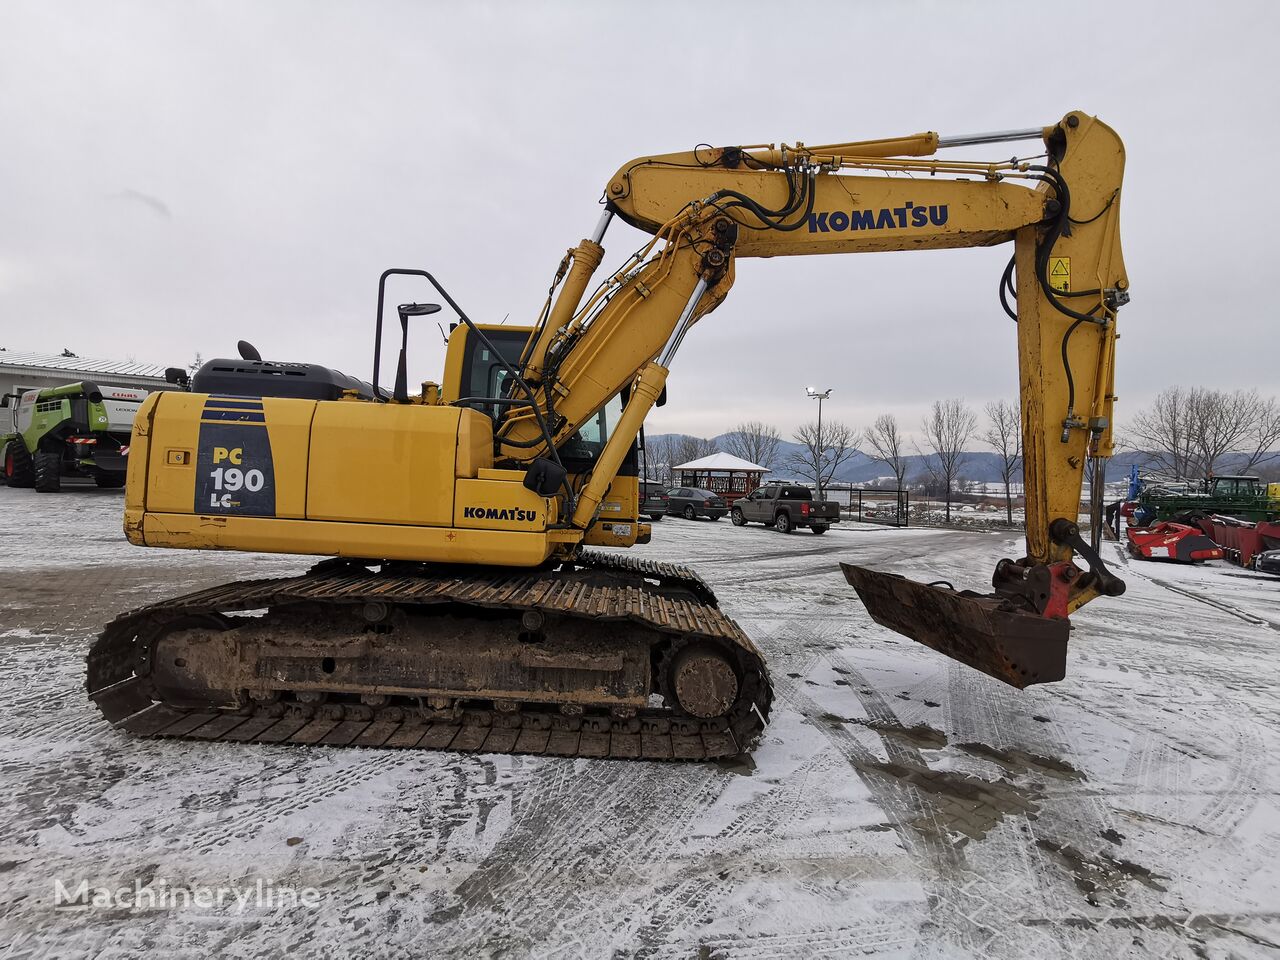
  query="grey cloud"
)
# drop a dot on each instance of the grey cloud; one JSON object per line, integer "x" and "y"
{"x": 310, "y": 146}
{"x": 154, "y": 204}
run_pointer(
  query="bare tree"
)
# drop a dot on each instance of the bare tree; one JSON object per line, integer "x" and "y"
{"x": 657, "y": 458}
{"x": 823, "y": 455}
{"x": 889, "y": 445}
{"x": 1004, "y": 435}
{"x": 1220, "y": 422}
{"x": 1262, "y": 443}
{"x": 754, "y": 441}
{"x": 196, "y": 363}
{"x": 1163, "y": 433}
{"x": 685, "y": 448}
{"x": 1188, "y": 432}
{"x": 947, "y": 430}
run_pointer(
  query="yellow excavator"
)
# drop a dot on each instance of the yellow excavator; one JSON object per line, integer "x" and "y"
{"x": 460, "y": 606}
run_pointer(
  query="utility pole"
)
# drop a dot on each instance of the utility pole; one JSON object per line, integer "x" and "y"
{"x": 819, "y": 395}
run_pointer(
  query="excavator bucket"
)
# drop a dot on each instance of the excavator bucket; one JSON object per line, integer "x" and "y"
{"x": 984, "y": 631}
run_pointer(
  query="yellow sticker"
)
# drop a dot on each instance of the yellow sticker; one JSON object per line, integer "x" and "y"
{"x": 1060, "y": 273}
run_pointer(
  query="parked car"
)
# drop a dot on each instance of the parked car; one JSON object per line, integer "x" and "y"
{"x": 786, "y": 506}
{"x": 692, "y": 502}
{"x": 1267, "y": 562}
{"x": 653, "y": 500}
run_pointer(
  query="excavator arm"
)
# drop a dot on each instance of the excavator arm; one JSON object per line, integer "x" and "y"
{"x": 708, "y": 208}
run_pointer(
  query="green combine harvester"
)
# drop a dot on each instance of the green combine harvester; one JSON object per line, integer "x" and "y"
{"x": 1242, "y": 497}
{"x": 75, "y": 430}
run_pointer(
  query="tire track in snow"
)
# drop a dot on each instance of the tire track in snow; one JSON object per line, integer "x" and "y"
{"x": 253, "y": 811}
{"x": 982, "y": 710}
{"x": 970, "y": 910}
{"x": 1239, "y": 795}
{"x": 678, "y": 903}
{"x": 587, "y": 820}
{"x": 865, "y": 939}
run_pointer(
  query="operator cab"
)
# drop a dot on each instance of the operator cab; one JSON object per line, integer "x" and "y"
{"x": 475, "y": 377}
{"x": 1236, "y": 487}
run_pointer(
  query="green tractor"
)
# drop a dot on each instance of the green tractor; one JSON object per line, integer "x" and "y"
{"x": 75, "y": 430}
{"x": 1242, "y": 497}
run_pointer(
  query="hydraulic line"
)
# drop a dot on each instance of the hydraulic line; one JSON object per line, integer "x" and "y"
{"x": 1046, "y": 248}
{"x": 1007, "y": 289}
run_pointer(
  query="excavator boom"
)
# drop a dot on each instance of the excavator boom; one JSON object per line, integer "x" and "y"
{"x": 1066, "y": 278}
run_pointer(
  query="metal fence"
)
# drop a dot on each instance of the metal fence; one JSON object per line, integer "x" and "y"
{"x": 890, "y": 507}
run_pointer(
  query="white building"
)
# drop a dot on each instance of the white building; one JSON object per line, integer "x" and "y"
{"x": 35, "y": 371}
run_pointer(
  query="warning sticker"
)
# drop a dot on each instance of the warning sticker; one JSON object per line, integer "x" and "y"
{"x": 1060, "y": 273}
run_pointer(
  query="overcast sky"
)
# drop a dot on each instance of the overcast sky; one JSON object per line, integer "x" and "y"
{"x": 178, "y": 176}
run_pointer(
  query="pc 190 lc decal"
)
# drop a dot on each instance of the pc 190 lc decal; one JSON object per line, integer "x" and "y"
{"x": 234, "y": 470}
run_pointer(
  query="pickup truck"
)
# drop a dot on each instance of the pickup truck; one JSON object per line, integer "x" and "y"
{"x": 786, "y": 506}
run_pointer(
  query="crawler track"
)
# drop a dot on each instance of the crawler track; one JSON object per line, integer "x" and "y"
{"x": 652, "y": 612}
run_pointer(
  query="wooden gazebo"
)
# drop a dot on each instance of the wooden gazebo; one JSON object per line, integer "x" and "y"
{"x": 723, "y": 473}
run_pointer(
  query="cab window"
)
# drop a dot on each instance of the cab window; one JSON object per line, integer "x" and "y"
{"x": 591, "y": 437}
{"x": 484, "y": 372}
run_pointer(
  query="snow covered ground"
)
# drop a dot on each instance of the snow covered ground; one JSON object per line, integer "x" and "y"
{"x": 898, "y": 806}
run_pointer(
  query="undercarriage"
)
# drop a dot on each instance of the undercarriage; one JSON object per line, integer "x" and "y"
{"x": 604, "y": 656}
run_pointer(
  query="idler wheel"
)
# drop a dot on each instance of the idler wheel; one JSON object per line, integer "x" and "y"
{"x": 704, "y": 682}
{"x": 183, "y": 663}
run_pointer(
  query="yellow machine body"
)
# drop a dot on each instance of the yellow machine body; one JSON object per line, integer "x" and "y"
{"x": 347, "y": 478}
{"x": 527, "y": 450}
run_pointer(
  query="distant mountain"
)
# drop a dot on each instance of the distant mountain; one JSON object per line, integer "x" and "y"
{"x": 982, "y": 466}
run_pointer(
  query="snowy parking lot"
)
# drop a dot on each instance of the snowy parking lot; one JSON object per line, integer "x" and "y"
{"x": 899, "y": 805}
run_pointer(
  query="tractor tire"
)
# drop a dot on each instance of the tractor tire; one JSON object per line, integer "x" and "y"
{"x": 782, "y": 523}
{"x": 18, "y": 468}
{"x": 819, "y": 528}
{"x": 735, "y": 515}
{"x": 109, "y": 481}
{"x": 48, "y": 466}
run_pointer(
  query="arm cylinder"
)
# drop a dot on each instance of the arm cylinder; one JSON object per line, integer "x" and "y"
{"x": 998, "y": 136}
{"x": 645, "y": 391}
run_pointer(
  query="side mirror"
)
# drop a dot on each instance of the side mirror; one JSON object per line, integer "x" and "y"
{"x": 248, "y": 351}
{"x": 417, "y": 310}
{"x": 407, "y": 310}
{"x": 178, "y": 377}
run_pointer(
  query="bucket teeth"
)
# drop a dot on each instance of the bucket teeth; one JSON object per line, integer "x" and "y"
{"x": 985, "y": 632}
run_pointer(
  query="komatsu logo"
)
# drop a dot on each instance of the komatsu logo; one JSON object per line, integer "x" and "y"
{"x": 495, "y": 513}
{"x": 886, "y": 218}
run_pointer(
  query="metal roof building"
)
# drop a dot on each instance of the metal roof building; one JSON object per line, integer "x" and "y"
{"x": 28, "y": 371}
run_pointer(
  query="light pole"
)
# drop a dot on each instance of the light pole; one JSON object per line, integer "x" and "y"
{"x": 819, "y": 395}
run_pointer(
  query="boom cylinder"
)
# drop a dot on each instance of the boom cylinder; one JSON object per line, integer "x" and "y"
{"x": 586, "y": 258}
